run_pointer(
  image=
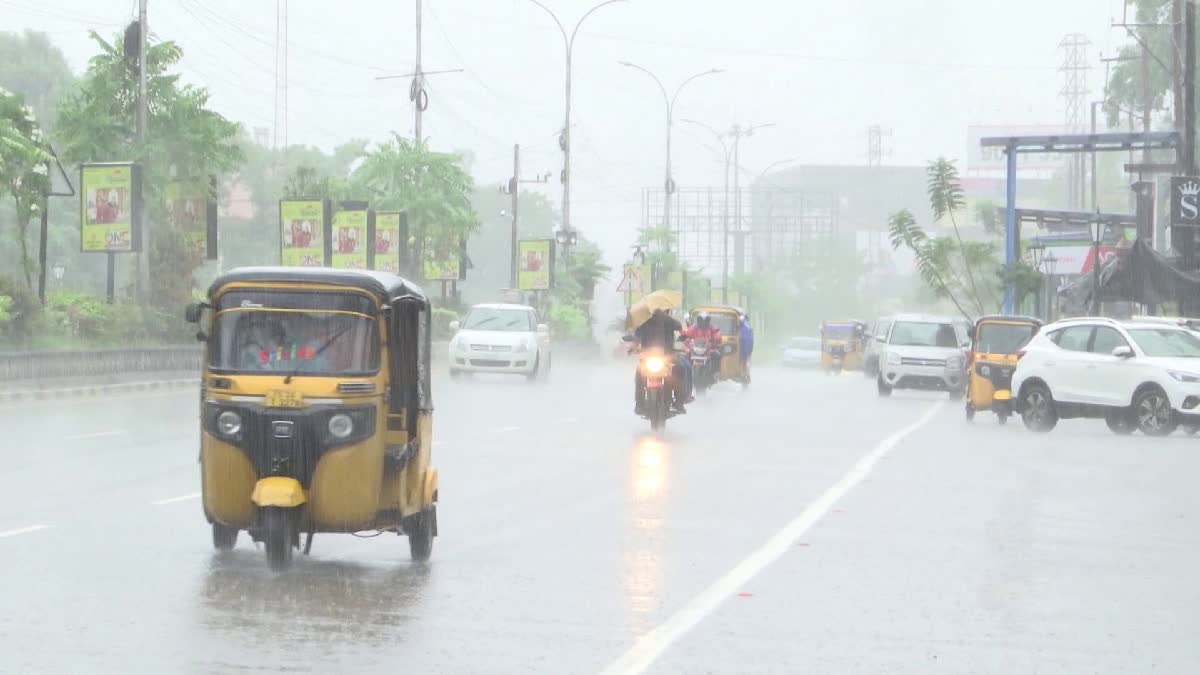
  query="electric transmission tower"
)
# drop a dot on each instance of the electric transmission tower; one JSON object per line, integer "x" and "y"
{"x": 1074, "y": 70}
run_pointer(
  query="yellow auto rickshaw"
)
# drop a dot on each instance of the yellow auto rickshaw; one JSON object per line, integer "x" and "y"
{"x": 727, "y": 319}
{"x": 315, "y": 408}
{"x": 843, "y": 344}
{"x": 995, "y": 341}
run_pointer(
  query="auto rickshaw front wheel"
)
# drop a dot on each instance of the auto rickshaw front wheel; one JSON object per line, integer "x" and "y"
{"x": 279, "y": 535}
{"x": 421, "y": 533}
{"x": 970, "y": 411}
{"x": 224, "y": 537}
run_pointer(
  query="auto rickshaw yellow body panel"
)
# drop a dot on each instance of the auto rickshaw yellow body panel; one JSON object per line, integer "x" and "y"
{"x": 843, "y": 345}
{"x": 281, "y": 447}
{"x": 995, "y": 341}
{"x": 727, "y": 319}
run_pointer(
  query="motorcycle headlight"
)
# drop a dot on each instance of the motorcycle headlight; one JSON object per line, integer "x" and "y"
{"x": 893, "y": 359}
{"x": 341, "y": 426}
{"x": 1183, "y": 376}
{"x": 654, "y": 364}
{"x": 229, "y": 423}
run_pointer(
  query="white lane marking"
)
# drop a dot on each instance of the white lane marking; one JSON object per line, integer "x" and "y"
{"x": 566, "y": 420}
{"x": 172, "y": 500}
{"x": 504, "y": 430}
{"x": 652, "y": 645}
{"x": 22, "y": 530}
{"x": 95, "y": 434}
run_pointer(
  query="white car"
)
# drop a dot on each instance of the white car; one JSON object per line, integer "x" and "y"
{"x": 1136, "y": 375}
{"x": 802, "y": 352}
{"x": 923, "y": 352}
{"x": 500, "y": 338}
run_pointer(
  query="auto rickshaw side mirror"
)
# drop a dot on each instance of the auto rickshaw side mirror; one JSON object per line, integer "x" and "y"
{"x": 192, "y": 312}
{"x": 454, "y": 325}
{"x": 627, "y": 338}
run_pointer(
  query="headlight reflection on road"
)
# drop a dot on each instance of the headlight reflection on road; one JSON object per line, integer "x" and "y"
{"x": 642, "y": 571}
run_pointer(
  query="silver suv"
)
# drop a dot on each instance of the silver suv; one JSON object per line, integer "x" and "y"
{"x": 923, "y": 352}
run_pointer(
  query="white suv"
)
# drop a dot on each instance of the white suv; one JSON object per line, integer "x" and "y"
{"x": 923, "y": 352}
{"x": 1136, "y": 375}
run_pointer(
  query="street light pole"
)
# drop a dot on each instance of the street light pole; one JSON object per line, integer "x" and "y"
{"x": 564, "y": 139}
{"x": 669, "y": 182}
{"x": 1097, "y": 231}
{"x": 738, "y": 134}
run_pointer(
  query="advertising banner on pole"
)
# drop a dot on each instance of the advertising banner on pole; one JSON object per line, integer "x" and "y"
{"x": 110, "y": 219}
{"x": 389, "y": 235}
{"x": 352, "y": 238}
{"x": 442, "y": 260}
{"x": 535, "y": 264}
{"x": 191, "y": 206}
{"x": 303, "y": 225}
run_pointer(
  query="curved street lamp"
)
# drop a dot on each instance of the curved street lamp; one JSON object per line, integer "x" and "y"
{"x": 669, "y": 182}
{"x": 564, "y": 140}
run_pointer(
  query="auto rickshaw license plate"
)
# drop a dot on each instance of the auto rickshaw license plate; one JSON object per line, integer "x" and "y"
{"x": 282, "y": 398}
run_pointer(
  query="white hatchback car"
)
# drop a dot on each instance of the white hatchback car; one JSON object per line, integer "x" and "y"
{"x": 500, "y": 338}
{"x": 1136, "y": 375}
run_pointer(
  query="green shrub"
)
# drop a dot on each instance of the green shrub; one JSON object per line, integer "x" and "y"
{"x": 21, "y": 310}
{"x": 569, "y": 323}
{"x": 441, "y": 323}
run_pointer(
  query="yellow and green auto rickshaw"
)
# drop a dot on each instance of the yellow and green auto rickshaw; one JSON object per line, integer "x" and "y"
{"x": 727, "y": 319}
{"x": 315, "y": 408}
{"x": 842, "y": 345}
{"x": 995, "y": 341}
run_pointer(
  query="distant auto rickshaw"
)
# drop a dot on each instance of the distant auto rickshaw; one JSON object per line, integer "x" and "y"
{"x": 843, "y": 344}
{"x": 995, "y": 341}
{"x": 727, "y": 319}
{"x": 316, "y": 413}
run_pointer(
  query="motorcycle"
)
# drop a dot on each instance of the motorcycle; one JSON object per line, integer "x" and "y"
{"x": 705, "y": 364}
{"x": 655, "y": 368}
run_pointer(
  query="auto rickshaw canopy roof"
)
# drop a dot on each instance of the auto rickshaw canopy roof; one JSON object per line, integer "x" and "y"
{"x": 385, "y": 286}
{"x": 1005, "y": 318}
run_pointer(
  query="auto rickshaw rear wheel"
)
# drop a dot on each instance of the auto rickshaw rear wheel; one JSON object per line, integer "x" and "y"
{"x": 420, "y": 536}
{"x": 970, "y": 411}
{"x": 1002, "y": 418}
{"x": 224, "y": 537}
{"x": 279, "y": 536}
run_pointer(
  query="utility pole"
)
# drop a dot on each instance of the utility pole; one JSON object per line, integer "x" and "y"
{"x": 739, "y": 252}
{"x": 143, "y": 104}
{"x": 1189, "y": 84}
{"x": 1074, "y": 91}
{"x": 514, "y": 188}
{"x": 417, "y": 92}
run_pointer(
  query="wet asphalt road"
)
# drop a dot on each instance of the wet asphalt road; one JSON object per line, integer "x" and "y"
{"x": 803, "y": 525}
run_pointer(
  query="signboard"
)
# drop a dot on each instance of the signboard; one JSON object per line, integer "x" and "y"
{"x": 303, "y": 241}
{"x": 192, "y": 209}
{"x": 635, "y": 282}
{"x": 352, "y": 237}
{"x": 442, "y": 261}
{"x": 110, "y": 220}
{"x": 535, "y": 264}
{"x": 1185, "y": 201}
{"x": 390, "y": 233}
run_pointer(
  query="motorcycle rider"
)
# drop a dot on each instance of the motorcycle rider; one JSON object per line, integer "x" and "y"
{"x": 658, "y": 334}
{"x": 704, "y": 329}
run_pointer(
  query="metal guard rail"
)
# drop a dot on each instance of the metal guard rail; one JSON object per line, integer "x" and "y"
{"x": 97, "y": 362}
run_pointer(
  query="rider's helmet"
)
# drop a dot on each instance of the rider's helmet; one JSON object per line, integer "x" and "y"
{"x": 703, "y": 320}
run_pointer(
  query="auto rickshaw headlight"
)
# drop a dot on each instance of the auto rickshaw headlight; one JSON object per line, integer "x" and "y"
{"x": 229, "y": 423}
{"x": 985, "y": 371}
{"x": 341, "y": 426}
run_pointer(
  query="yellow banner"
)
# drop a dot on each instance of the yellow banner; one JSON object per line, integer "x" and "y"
{"x": 441, "y": 261}
{"x": 107, "y": 217}
{"x": 303, "y": 227}
{"x": 350, "y": 240}
{"x": 387, "y": 242}
{"x": 187, "y": 210}
{"x": 533, "y": 264}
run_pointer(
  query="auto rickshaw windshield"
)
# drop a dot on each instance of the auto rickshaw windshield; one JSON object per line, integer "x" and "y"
{"x": 727, "y": 324}
{"x": 838, "y": 331}
{"x": 305, "y": 341}
{"x": 1003, "y": 338}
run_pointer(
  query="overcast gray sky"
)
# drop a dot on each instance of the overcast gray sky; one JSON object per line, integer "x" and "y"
{"x": 821, "y": 70}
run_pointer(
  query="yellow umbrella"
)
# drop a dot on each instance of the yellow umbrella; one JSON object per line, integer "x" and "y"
{"x": 641, "y": 310}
